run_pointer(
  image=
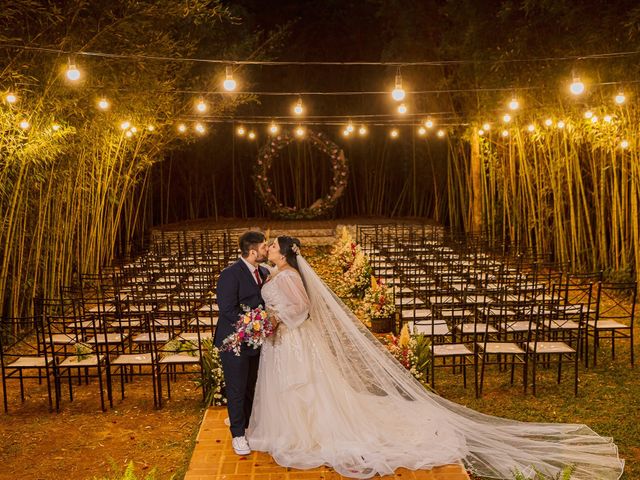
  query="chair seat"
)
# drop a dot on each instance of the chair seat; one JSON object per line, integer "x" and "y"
{"x": 108, "y": 338}
{"x": 519, "y": 326}
{"x": 498, "y": 347}
{"x": 607, "y": 325}
{"x": 564, "y": 325}
{"x": 408, "y": 301}
{"x": 73, "y": 362}
{"x": 193, "y": 336}
{"x": 436, "y": 329}
{"x": 417, "y": 313}
{"x": 180, "y": 358}
{"x": 204, "y": 321}
{"x": 144, "y": 337}
{"x": 132, "y": 359}
{"x": 64, "y": 339}
{"x": 30, "y": 362}
{"x": 550, "y": 347}
{"x": 453, "y": 349}
{"x": 209, "y": 308}
{"x": 475, "y": 328}
{"x": 456, "y": 312}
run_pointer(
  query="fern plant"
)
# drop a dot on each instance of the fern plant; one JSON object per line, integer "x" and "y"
{"x": 565, "y": 474}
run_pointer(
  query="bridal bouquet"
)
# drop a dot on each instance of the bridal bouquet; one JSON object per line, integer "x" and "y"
{"x": 253, "y": 328}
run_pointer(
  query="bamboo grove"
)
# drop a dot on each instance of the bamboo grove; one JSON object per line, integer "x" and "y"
{"x": 572, "y": 193}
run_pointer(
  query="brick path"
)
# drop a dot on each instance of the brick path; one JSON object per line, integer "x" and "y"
{"x": 214, "y": 459}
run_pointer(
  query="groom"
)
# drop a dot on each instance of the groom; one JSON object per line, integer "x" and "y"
{"x": 240, "y": 284}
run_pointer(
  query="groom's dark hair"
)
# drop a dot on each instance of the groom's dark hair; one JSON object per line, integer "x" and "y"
{"x": 249, "y": 241}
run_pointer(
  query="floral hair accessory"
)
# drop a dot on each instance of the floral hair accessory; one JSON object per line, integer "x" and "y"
{"x": 295, "y": 249}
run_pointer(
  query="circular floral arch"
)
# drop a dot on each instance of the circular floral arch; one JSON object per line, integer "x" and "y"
{"x": 322, "y": 205}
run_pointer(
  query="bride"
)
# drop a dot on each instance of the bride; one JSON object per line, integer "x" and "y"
{"x": 329, "y": 393}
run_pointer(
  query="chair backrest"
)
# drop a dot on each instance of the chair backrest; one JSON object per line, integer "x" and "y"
{"x": 618, "y": 301}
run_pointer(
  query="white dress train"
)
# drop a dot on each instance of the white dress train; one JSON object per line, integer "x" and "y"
{"x": 329, "y": 393}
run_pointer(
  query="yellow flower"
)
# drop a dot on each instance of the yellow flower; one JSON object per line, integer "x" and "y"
{"x": 247, "y": 319}
{"x": 256, "y": 326}
{"x": 374, "y": 284}
{"x": 404, "y": 336}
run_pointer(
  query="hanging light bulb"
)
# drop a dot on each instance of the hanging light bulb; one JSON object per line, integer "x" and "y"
{"x": 300, "y": 131}
{"x": 506, "y": 118}
{"x": 229, "y": 83}
{"x": 241, "y": 131}
{"x": 128, "y": 134}
{"x": 55, "y": 127}
{"x": 134, "y": 130}
{"x": 252, "y": 135}
{"x": 548, "y": 122}
{"x": 505, "y": 133}
{"x": 273, "y": 128}
{"x": 24, "y": 124}
{"x": 73, "y": 73}
{"x": 514, "y": 104}
{"x": 362, "y": 130}
{"x": 608, "y": 118}
{"x": 560, "y": 124}
{"x": 394, "y": 133}
{"x": 182, "y": 128}
{"x": 429, "y": 123}
{"x": 624, "y": 144}
{"x": 486, "y": 127}
{"x": 151, "y": 128}
{"x": 402, "y": 109}
{"x": 441, "y": 133}
{"x": 298, "y": 109}
{"x": 201, "y": 106}
{"x": 594, "y": 119}
{"x": 200, "y": 128}
{"x": 422, "y": 131}
{"x": 10, "y": 98}
{"x": 480, "y": 132}
{"x": 588, "y": 114}
{"x": 346, "y": 133}
{"x": 125, "y": 125}
{"x": 350, "y": 128}
{"x": 531, "y": 127}
{"x": 576, "y": 87}
{"x": 103, "y": 104}
{"x": 620, "y": 98}
{"x": 398, "y": 92}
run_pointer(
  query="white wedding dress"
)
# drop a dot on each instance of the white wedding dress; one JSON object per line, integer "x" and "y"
{"x": 329, "y": 393}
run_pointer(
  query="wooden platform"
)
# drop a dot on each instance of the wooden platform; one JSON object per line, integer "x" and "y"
{"x": 214, "y": 459}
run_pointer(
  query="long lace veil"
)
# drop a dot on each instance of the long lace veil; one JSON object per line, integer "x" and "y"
{"x": 495, "y": 447}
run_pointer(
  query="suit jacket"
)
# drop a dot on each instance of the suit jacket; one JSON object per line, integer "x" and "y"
{"x": 236, "y": 286}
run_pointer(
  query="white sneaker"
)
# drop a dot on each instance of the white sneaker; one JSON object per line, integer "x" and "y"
{"x": 227, "y": 422}
{"x": 240, "y": 445}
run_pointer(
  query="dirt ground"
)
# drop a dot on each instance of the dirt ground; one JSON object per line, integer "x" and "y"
{"x": 82, "y": 442}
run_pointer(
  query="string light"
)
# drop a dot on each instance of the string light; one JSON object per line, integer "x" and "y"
{"x": 24, "y": 124}
{"x": 429, "y": 123}
{"x": 620, "y": 98}
{"x": 229, "y": 83}
{"x": 594, "y": 119}
{"x": 298, "y": 109}
{"x": 55, "y": 127}
{"x": 273, "y": 128}
{"x": 362, "y": 131}
{"x": 201, "y": 106}
{"x": 422, "y": 131}
{"x": 402, "y": 109}
{"x": 560, "y": 124}
{"x": 486, "y": 127}
{"x": 73, "y": 73}
{"x": 441, "y": 133}
{"x": 103, "y": 104}
{"x": 514, "y": 104}
{"x": 182, "y": 128}
{"x": 151, "y": 128}
{"x": 608, "y": 118}
{"x": 531, "y": 128}
{"x": 588, "y": 114}
{"x": 548, "y": 122}
{"x": 394, "y": 133}
{"x": 506, "y": 118}
{"x": 252, "y": 135}
{"x": 299, "y": 131}
{"x": 480, "y": 132}
{"x": 10, "y": 98}
{"x": 350, "y": 127}
{"x": 199, "y": 128}
{"x": 398, "y": 92}
{"x": 241, "y": 131}
{"x": 624, "y": 144}
{"x": 134, "y": 130}
{"x": 125, "y": 125}
{"x": 346, "y": 133}
{"x": 576, "y": 87}
{"x": 128, "y": 134}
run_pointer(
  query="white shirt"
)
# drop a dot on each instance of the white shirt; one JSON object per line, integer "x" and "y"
{"x": 251, "y": 269}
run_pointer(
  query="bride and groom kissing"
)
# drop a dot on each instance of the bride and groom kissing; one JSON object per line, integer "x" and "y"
{"x": 325, "y": 391}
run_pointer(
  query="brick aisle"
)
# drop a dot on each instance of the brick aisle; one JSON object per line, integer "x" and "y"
{"x": 214, "y": 459}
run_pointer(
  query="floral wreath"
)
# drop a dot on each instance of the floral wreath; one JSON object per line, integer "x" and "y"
{"x": 321, "y": 206}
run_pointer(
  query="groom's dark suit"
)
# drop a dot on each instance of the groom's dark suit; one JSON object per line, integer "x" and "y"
{"x": 237, "y": 286}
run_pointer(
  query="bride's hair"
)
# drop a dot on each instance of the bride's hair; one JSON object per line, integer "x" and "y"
{"x": 290, "y": 247}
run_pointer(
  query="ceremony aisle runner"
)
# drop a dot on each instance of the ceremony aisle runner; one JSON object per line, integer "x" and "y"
{"x": 214, "y": 459}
